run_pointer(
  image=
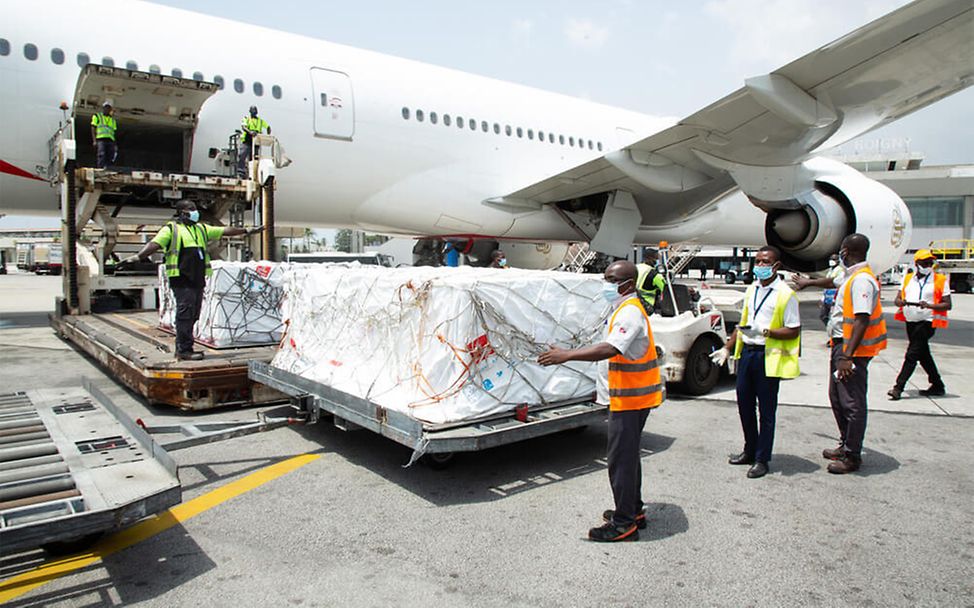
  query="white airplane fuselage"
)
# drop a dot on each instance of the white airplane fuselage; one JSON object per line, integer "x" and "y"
{"x": 392, "y": 174}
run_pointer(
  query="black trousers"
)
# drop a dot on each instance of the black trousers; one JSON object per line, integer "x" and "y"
{"x": 625, "y": 467}
{"x": 189, "y": 302}
{"x": 755, "y": 388}
{"x": 848, "y": 400}
{"x": 105, "y": 149}
{"x": 918, "y": 351}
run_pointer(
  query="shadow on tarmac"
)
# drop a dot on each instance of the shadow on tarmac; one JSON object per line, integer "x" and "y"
{"x": 159, "y": 565}
{"x": 20, "y": 320}
{"x": 476, "y": 477}
{"x": 789, "y": 464}
{"x": 663, "y": 520}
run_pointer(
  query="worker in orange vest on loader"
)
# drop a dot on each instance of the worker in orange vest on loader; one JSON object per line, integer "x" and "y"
{"x": 629, "y": 381}
{"x": 923, "y": 300}
{"x": 858, "y": 334}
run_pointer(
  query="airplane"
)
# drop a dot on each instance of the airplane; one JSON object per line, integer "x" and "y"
{"x": 394, "y": 146}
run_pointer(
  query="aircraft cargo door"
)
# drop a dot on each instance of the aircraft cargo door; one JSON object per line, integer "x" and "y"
{"x": 333, "y": 102}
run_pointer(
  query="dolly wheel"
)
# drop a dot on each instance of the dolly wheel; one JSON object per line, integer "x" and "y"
{"x": 439, "y": 461}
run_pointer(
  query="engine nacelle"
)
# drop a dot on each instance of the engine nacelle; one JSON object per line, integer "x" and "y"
{"x": 809, "y": 228}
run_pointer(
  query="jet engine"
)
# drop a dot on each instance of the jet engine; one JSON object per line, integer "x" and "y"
{"x": 811, "y": 227}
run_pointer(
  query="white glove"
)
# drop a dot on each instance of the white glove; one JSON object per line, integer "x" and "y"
{"x": 719, "y": 357}
{"x": 751, "y": 332}
{"x": 132, "y": 259}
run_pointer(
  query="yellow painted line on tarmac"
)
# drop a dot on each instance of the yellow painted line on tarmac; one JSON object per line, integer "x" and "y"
{"x": 47, "y": 572}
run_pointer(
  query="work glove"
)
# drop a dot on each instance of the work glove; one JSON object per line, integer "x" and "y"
{"x": 255, "y": 230}
{"x": 719, "y": 357}
{"x": 132, "y": 259}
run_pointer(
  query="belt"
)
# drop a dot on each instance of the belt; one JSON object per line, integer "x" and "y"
{"x": 754, "y": 347}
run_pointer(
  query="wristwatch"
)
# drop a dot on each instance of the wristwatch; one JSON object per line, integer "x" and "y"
{"x": 766, "y": 333}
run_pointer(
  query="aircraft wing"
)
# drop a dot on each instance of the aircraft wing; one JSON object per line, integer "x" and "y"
{"x": 757, "y": 137}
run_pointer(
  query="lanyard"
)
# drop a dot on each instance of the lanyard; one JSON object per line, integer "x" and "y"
{"x": 757, "y": 307}
{"x": 923, "y": 284}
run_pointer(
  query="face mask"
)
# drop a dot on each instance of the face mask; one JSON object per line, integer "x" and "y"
{"x": 502, "y": 262}
{"x": 763, "y": 273}
{"x": 193, "y": 216}
{"x": 610, "y": 291}
{"x": 924, "y": 270}
{"x": 842, "y": 262}
{"x": 832, "y": 263}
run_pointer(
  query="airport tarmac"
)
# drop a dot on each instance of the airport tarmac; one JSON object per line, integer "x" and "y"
{"x": 505, "y": 527}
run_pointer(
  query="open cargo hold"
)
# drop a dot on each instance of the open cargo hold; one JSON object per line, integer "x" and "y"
{"x": 440, "y": 345}
{"x": 241, "y": 305}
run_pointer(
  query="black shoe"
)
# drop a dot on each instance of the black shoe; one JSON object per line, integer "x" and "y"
{"x": 190, "y": 356}
{"x": 610, "y": 533}
{"x": 640, "y": 518}
{"x": 759, "y": 469}
{"x": 742, "y": 458}
{"x": 894, "y": 394}
{"x": 933, "y": 391}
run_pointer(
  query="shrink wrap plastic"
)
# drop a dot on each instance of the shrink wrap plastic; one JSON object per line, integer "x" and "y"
{"x": 440, "y": 344}
{"x": 241, "y": 304}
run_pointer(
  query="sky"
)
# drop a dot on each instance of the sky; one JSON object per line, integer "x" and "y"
{"x": 664, "y": 58}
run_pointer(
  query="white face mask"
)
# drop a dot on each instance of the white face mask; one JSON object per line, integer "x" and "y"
{"x": 832, "y": 263}
{"x": 924, "y": 270}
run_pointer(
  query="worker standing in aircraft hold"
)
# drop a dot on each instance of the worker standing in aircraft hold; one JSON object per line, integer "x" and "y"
{"x": 498, "y": 259}
{"x": 251, "y": 125}
{"x": 185, "y": 240}
{"x": 629, "y": 381}
{"x": 103, "y": 127}
{"x": 649, "y": 279}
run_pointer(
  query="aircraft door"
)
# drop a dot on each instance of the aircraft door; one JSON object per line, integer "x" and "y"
{"x": 333, "y": 102}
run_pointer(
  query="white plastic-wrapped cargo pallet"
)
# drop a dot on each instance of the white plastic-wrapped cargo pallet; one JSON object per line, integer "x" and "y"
{"x": 440, "y": 344}
{"x": 241, "y": 304}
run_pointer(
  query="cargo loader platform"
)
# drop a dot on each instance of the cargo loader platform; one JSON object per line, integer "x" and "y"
{"x": 138, "y": 353}
{"x": 73, "y": 466}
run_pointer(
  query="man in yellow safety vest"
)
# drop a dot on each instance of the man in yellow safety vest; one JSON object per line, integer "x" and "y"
{"x": 103, "y": 127}
{"x": 629, "y": 381}
{"x": 251, "y": 125}
{"x": 185, "y": 241}
{"x": 766, "y": 345}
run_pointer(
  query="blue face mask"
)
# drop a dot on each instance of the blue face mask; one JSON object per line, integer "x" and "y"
{"x": 194, "y": 216}
{"x": 763, "y": 273}
{"x": 502, "y": 262}
{"x": 610, "y": 291}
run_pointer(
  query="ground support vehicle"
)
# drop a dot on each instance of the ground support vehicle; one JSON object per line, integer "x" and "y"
{"x": 110, "y": 213}
{"x": 955, "y": 258}
{"x": 438, "y": 443}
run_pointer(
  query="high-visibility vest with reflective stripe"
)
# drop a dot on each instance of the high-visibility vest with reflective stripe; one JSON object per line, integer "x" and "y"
{"x": 780, "y": 356}
{"x": 256, "y": 124}
{"x": 192, "y": 235}
{"x": 105, "y": 126}
{"x": 874, "y": 340}
{"x": 939, "y": 316}
{"x": 635, "y": 384}
{"x": 655, "y": 287}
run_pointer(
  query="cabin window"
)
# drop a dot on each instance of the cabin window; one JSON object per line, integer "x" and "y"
{"x": 405, "y": 113}
{"x": 571, "y": 142}
{"x": 446, "y": 120}
{"x": 561, "y": 139}
{"x": 154, "y": 69}
{"x": 551, "y": 137}
{"x": 599, "y": 146}
{"x": 131, "y": 65}
{"x": 483, "y": 126}
{"x": 219, "y": 81}
{"x": 508, "y": 130}
{"x": 419, "y": 115}
{"x": 108, "y": 62}
{"x": 541, "y": 136}
{"x": 4, "y": 47}
{"x": 433, "y": 117}
{"x": 459, "y": 122}
{"x": 238, "y": 85}
{"x": 57, "y": 56}
{"x": 530, "y": 133}
{"x": 520, "y": 132}
{"x": 30, "y": 51}
{"x": 276, "y": 92}
{"x": 177, "y": 72}
{"x": 590, "y": 146}
{"x": 83, "y": 60}
{"x": 497, "y": 129}
{"x": 258, "y": 89}
{"x": 198, "y": 76}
